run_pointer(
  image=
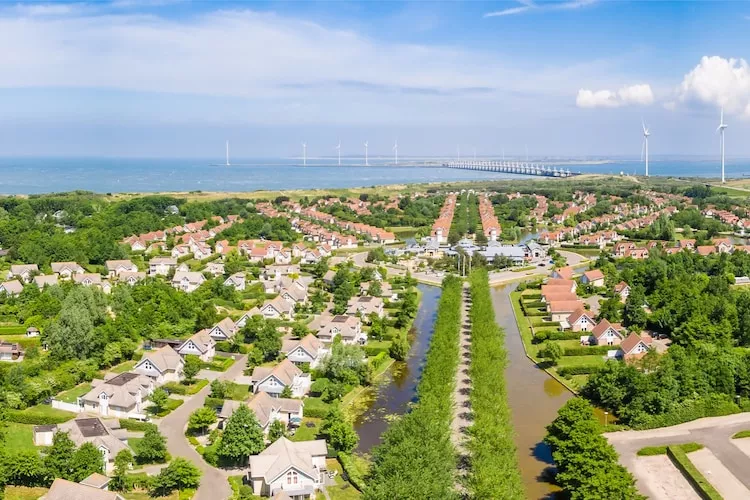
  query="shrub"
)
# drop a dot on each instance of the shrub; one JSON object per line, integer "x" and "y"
{"x": 39, "y": 416}
{"x": 588, "y": 350}
{"x": 316, "y": 408}
{"x": 134, "y": 425}
{"x": 353, "y": 474}
{"x": 569, "y": 371}
{"x": 692, "y": 474}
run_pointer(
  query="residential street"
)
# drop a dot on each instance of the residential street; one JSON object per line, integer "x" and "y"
{"x": 214, "y": 484}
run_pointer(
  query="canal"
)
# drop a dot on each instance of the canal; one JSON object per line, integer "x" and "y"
{"x": 397, "y": 388}
{"x": 534, "y": 398}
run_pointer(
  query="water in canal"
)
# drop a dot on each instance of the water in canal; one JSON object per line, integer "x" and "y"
{"x": 397, "y": 388}
{"x": 534, "y": 398}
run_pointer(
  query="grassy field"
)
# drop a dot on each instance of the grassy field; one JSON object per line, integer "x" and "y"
{"x": 19, "y": 437}
{"x": 305, "y": 433}
{"x": 342, "y": 490}
{"x": 72, "y": 395}
{"x": 23, "y": 493}
{"x": 123, "y": 367}
{"x": 48, "y": 411}
{"x": 238, "y": 392}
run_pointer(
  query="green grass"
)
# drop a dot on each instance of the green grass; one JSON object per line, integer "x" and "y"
{"x": 41, "y": 414}
{"x": 72, "y": 395}
{"x": 235, "y": 482}
{"x": 23, "y": 493}
{"x": 238, "y": 392}
{"x": 19, "y": 437}
{"x": 523, "y": 326}
{"x": 305, "y": 433}
{"x": 694, "y": 476}
{"x": 172, "y": 404}
{"x": 219, "y": 364}
{"x": 581, "y": 360}
{"x": 143, "y": 495}
{"x": 316, "y": 407}
{"x": 741, "y": 435}
{"x": 12, "y": 330}
{"x": 662, "y": 450}
{"x": 123, "y": 367}
{"x": 342, "y": 490}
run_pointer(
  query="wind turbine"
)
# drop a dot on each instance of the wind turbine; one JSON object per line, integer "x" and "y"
{"x": 367, "y": 163}
{"x": 227, "y": 153}
{"x": 644, "y": 147}
{"x": 304, "y": 154}
{"x": 338, "y": 149}
{"x": 720, "y": 130}
{"x": 395, "y": 150}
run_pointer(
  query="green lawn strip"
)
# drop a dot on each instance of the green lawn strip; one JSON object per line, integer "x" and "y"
{"x": 237, "y": 392}
{"x": 40, "y": 415}
{"x": 72, "y": 395}
{"x": 741, "y": 435}
{"x": 662, "y": 450}
{"x": 123, "y": 367}
{"x": 172, "y": 404}
{"x": 24, "y": 493}
{"x": 692, "y": 474}
{"x": 342, "y": 490}
{"x": 219, "y": 364}
{"x": 307, "y": 432}
{"x": 18, "y": 437}
{"x": 523, "y": 326}
{"x": 596, "y": 360}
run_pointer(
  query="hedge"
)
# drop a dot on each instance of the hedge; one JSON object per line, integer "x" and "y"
{"x": 649, "y": 451}
{"x": 377, "y": 361}
{"x": 134, "y": 425}
{"x": 711, "y": 405}
{"x": 530, "y": 296}
{"x": 704, "y": 489}
{"x": 416, "y": 458}
{"x": 494, "y": 464}
{"x": 588, "y": 350}
{"x": 185, "y": 390}
{"x": 567, "y": 371}
{"x": 39, "y": 416}
{"x": 353, "y": 474}
{"x": 544, "y": 336}
{"x": 316, "y": 408}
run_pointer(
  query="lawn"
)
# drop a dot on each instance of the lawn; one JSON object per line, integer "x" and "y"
{"x": 342, "y": 490}
{"x": 741, "y": 435}
{"x": 219, "y": 364}
{"x": 19, "y": 436}
{"x": 38, "y": 414}
{"x": 143, "y": 495}
{"x": 305, "y": 433}
{"x": 123, "y": 367}
{"x": 23, "y": 493}
{"x": 597, "y": 360}
{"x": 238, "y": 392}
{"x": 172, "y": 404}
{"x": 72, "y": 395}
{"x": 523, "y": 325}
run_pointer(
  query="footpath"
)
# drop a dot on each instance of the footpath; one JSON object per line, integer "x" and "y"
{"x": 462, "y": 415}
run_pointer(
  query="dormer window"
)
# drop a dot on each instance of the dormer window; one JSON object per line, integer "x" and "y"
{"x": 291, "y": 477}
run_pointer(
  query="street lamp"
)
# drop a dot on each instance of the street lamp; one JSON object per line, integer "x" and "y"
{"x": 606, "y": 413}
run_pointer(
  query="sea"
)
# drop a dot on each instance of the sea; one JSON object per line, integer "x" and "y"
{"x": 128, "y": 175}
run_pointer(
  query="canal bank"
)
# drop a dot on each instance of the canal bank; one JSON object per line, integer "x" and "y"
{"x": 534, "y": 398}
{"x": 397, "y": 387}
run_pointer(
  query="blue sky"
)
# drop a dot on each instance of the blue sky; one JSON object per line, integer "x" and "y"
{"x": 569, "y": 78}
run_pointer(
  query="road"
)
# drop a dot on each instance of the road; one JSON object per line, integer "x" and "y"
{"x": 715, "y": 433}
{"x": 462, "y": 414}
{"x": 214, "y": 484}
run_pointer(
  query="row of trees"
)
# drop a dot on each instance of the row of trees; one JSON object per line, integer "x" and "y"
{"x": 494, "y": 465}
{"x": 417, "y": 459}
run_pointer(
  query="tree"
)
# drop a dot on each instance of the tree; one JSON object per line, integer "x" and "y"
{"x": 152, "y": 448}
{"x": 552, "y": 351}
{"x": 123, "y": 461}
{"x": 206, "y": 317}
{"x": 634, "y": 315}
{"x": 159, "y": 399}
{"x": 610, "y": 309}
{"x": 86, "y": 460}
{"x": 25, "y": 468}
{"x": 338, "y": 431}
{"x": 242, "y": 437}
{"x": 399, "y": 348}
{"x": 277, "y": 430}
{"x": 60, "y": 456}
{"x": 375, "y": 290}
{"x": 180, "y": 474}
{"x": 192, "y": 367}
{"x": 286, "y": 392}
{"x": 218, "y": 389}
{"x": 201, "y": 419}
{"x": 268, "y": 341}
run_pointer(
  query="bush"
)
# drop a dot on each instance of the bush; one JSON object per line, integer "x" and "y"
{"x": 316, "y": 408}
{"x": 135, "y": 425}
{"x": 375, "y": 350}
{"x": 541, "y": 337}
{"x": 569, "y": 371}
{"x": 692, "y": 474}
{"x": 40, "y": 415}
{"x": 353, "y": 474}
{"x": 588, "y": 350}
{"x": 712, "y": 405}
{"x": 377, "y": 361}
{"x": 214, "y": 403}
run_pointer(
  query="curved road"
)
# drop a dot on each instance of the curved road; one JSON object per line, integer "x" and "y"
{"x": 214, "y": 484}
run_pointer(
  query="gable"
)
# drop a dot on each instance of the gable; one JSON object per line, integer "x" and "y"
{"x": 292, "y": 468}
{"x": 272, "y": 380}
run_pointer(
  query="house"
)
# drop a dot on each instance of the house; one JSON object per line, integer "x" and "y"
{"x": 115, "y": 267}
{"x": 87, "y": 430}
{"x": 42, "y": 280}
{"x": 294, "y": 469}
{"x": 557, "y": 293}
{"x": 215, "y": 268}
{"x": 96, "y": 480}
{"x": 11, "y": 288}
{"x": 560, "y": 310}
{"x": 564, "y": 273}
{"x": 706, "y": 249}
{"x": 308, "y": 349}
{"x": 268, "y": 410}
{"x": 365, "y": 306}
{"x": 328, "y": 277}
{"x": 162, "y": 365}
{"x": 595, "y": 277}
{"x": 246, "y": 316}
{"x": 31, "y": 332}
{"x": 638, "y": 253}
{"x": 23, "y": 271}
{"x": 277, "y": 308}
{"x": 687, "y": 243}
{"x": 224, "y": 329}
{"x": 66, "y": 269}
{"x": 570, "y": 284}
{"x": 723, "y": 245}
{"x": 187, "y": 281}
{"x": 634, "y": 347}
{"x": 581, "y": 321}
{"x": 605, "y": 334}
{"x": 295, "y": 294}
{"x": 623, "y": 290}
{"x": 161, "y": 266}
{"x": 87, "y": 279}
{"x": 274, "y": 380}
{"x": 200, "y": 344}
{"x": 237, "y": 281}
{"x": 63, "y": 489}
{"x": 121, "y": 396}
{"x": 622, "y": 247}
{"x": 349, "y": 327}
{"x": 131, "y": 278}
{"x": 10, "y": 351}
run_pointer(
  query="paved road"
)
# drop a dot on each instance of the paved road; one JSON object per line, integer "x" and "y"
{"x": 214, "y": 484}
{"x": 462, "y": 416}
{"x": 714, "y": 433}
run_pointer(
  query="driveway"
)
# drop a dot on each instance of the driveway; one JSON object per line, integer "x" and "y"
{"x": 214, "y": 484}
{"x": 715, "y": 433}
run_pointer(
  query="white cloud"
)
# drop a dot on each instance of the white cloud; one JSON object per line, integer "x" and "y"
{"x": 529, "y": 6}
{"x": 640, "y": 94}
{"x": 719, "y": 82}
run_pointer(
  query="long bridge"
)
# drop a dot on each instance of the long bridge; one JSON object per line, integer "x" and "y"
{"x": 510, "y": 167}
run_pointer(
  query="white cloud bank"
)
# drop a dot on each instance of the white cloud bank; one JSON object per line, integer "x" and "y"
{"x": 531, "y": 6}
{"x": 640, "y": 95}
{"x": 719, "y": 82}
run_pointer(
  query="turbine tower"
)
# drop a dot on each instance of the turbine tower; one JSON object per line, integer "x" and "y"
{"x": 367, "y": 164}
{"x": 338, "y": 149}
{"x": 720, "y": 130}
{"x": 644, "y": 147}
{"x": 304, "y": 154}
{"x": 227, "y": 153}
{"x": 395, "y": 150}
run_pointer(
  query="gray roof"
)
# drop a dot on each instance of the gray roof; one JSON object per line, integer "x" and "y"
{"x": 283, "y": 454}
{"x": 66, "y": 490}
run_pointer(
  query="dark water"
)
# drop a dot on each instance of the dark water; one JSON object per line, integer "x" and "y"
{"x": 534, "y": 398}
{"x": 117, "y": 175}
{"x": 398, "y": 387}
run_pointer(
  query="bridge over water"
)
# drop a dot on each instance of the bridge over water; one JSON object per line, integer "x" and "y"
{"x": 510, "y": 167}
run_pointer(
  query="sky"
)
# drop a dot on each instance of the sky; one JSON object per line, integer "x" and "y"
{"x": 567, "y": 78}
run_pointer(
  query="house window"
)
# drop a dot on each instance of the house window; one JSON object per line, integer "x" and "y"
{"x": 291, "y": 477}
